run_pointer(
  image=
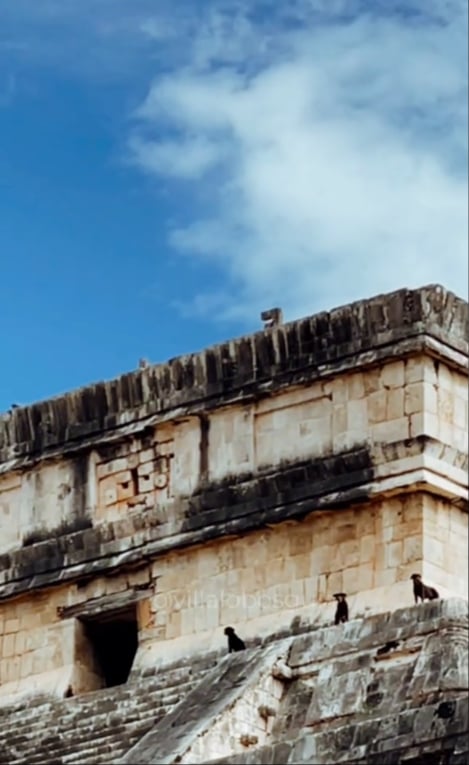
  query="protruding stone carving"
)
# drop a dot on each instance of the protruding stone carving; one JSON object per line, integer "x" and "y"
{"x": 272, "y": 318}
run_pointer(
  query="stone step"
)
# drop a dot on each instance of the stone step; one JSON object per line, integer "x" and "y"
{"x": 77, "y": 753}
{"x": 31, "y": 737}
{"x": 92, "y": 700}
{"x": 74, "y": 749}
{"x": 43, "y": 753}
{"x": 57, "y": 742}
{"x": 105, "y": 759}
{"x": 149, "y": 701}
{"x": 71, "y": 707}
{"x": 125, "y": 724}
{"x": 21, "y": 734}
{"x": 96, "y": 728}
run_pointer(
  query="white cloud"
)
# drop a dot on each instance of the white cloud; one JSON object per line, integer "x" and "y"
{"x": 187, "y": 158}
{"x": 320, "y": 144}
{"x": 341, "y": 160}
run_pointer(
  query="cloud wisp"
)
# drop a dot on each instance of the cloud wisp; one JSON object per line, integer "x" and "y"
{"x": 326, "y": 153}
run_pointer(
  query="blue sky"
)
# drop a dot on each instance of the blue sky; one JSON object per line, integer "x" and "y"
{"x": 168, "y": 170}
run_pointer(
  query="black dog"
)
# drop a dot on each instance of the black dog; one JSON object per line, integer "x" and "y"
{"x": 234, "y": 642}
{"x": 341, "y": 614}
{"x": 423, "y": 591}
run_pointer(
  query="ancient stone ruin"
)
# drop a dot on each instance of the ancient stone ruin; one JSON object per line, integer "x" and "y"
{"x": 246, "y": 485}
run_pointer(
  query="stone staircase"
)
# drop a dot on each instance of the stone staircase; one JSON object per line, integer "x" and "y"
{"x": 386, "y": 689}
{"x": 97, "y": 727}
{"x": 240, "y": 682}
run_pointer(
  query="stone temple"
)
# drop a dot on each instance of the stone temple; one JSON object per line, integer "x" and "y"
{"x": 245, "y": 486}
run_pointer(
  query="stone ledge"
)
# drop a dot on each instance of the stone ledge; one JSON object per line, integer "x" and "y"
{"x": 357, "y": 635}
{"x": 363, "y": 333}
{"x": 227, "y": 508}
{"x": 248, "y": 503}
{"x": 118, "y": 601}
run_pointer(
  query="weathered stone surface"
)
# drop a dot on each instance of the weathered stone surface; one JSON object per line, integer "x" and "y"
{"x": 410, "y": 724}
{"x": 234, "y": 506}
{"x": 390, "y": 721}
{"x": 279, "y": 579}
{"x": 245, "y": 485}
{"x": 302, "y": 350}
{"x": 96, "y": 727}
{"x": 222, "y": 693}
{"x": 357, "y": 635}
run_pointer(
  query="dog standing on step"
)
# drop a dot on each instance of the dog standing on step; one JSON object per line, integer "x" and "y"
{"x": 234, "y": 641}
{"x": 423, "y": 591}
{"x": 341, "y": 614}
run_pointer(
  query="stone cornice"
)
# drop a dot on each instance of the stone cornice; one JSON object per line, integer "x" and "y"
{"x": 289, "y": 492}
{"x": 402, "y": 323}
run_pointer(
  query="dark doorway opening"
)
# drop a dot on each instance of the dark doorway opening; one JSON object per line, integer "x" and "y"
{"x": 114, "y": 640}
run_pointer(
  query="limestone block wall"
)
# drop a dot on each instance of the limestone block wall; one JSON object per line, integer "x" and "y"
{"x": 260, "y": 582}
{"x": 36, "y": 649}
{"x": 400, "y": 400}
{"x": 53, "y": 495}
{"x": 444, "y": 545}
{"x": 444, "y": 394}
{"x": 42, "y": 652}
{"x": 244, "y": 484}
{"x": 267, "y": 579}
